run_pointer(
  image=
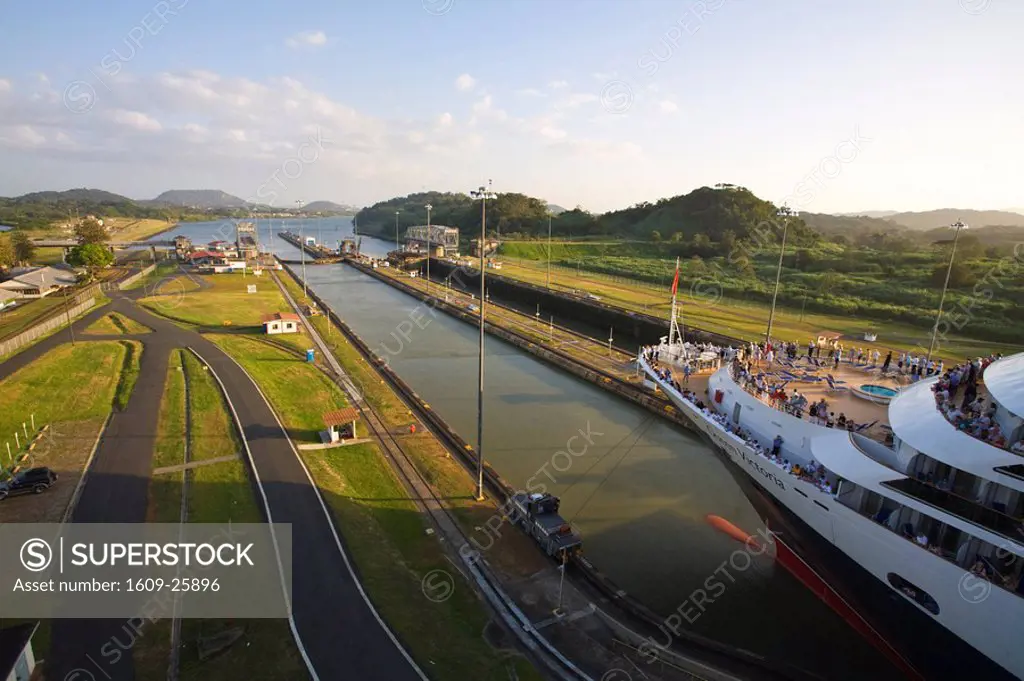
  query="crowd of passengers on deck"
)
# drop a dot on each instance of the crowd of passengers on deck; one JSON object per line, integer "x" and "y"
{"x": 813, "y": 472}
{"x": 973, "y": 415}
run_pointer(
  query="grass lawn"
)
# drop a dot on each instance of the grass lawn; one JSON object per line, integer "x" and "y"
{"x": 385, "y": 532}
{"x": 225, "y": 304}
{"x": 135, "y": 229}
{"x": 48, "y": 255}
{"x": 114, "y": 324}
{"x": 26, "y": 313}
{"x": 213, "y": 433}
{"x": 217, "y": 493}
{"x": 299, "y": 393}
{"x": 742, "y": 319}
{"x": 129, "y": 373}
{"x": 69, "y": 383}
{"x": 163, "y": 269}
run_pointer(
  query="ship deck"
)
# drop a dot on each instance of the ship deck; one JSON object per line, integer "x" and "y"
{"x": 810, "y": 381}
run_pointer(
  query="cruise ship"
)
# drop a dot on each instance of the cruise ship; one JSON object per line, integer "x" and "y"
{"x": 916, "y": 521}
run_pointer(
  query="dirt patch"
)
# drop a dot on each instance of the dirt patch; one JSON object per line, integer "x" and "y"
{"x": 64, "y": 449}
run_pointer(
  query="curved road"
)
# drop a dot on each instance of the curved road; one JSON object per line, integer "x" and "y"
{"x": 341, "y": 634}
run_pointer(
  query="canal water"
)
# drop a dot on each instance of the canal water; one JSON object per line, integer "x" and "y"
{"x": 638, "y": 489}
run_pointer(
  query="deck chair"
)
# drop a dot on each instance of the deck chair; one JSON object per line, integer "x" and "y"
{"x": 864, "y": 426}
{"x": 832, "y": 387}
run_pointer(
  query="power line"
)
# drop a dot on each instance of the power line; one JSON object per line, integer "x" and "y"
{"x": 642, "y": 429}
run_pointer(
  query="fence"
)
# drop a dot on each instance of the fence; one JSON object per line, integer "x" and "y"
{"x": 128, "y": 281}
{"x": 42, "y": 328}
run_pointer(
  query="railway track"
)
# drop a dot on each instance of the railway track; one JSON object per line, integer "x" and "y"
{"x": 443, "y": 520}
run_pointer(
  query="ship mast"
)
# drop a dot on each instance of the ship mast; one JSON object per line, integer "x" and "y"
{"x": 673, "y": 326}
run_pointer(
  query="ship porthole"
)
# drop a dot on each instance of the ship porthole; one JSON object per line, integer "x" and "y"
{"x": 913, "y": 592}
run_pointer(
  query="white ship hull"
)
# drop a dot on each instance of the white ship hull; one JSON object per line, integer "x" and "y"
{"x": 985, "y": 616}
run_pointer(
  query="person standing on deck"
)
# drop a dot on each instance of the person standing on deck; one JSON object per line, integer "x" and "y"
{"x": 686, "y": 372}
{"x": 888, "y": 361}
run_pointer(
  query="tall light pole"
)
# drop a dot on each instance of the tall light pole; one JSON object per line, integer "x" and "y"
{"x": 429, "y": 208}
{"x": 302, "y": 247}
{"x": 483, "y": 193}
{"x": 958, "y": 225}
{"x": 396, "y": 229}
{"x": 549, "y": 249}
{"x": 785, "y": 213}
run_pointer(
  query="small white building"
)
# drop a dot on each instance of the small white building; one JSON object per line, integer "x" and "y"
{"x": 17, "y": 661}
{"x": 286, "y": 322}
{"x": 7, "y": 298}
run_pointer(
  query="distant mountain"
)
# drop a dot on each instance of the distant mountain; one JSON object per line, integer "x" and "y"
{"x": 198, "y": 198}
{"x": 848, "y": 225}
{"x": 330, "y": 207}
{"x": 868, "y": 214}
{"x": 83, "y": 195}
{"x": 556, "y": 209}
{"x": 991, "y": 235}
{"x": 946, "y": 216}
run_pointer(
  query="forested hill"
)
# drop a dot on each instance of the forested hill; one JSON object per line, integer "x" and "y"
{"x": 717, "y": 214}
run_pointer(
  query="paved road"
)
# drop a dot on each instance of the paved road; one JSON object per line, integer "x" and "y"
{"x": 338, "y": 629}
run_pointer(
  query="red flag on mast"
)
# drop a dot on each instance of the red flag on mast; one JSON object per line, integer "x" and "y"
{"x": 675, "y": 281}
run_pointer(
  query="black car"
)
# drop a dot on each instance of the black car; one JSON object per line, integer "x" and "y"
{"x": 35, "y": 480}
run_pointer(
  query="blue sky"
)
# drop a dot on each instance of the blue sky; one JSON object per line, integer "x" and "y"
{"x": 602, "y": 103}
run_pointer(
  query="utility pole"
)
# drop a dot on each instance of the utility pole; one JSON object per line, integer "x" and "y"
{"x": 483, "y": 193}
{"x": 396, "y": 229}
{"x": 302, "y": 247}
{"x": 429, "y": 208}
{"x": 549, "y": 250}
{"x": 958, "y": 225}
{"x": 785, "y": 213}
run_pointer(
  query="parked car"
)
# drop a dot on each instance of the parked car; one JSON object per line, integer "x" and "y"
{"x": 35, "y": 480}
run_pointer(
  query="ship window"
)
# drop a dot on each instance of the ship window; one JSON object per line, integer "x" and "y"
{"x": 914, "y": 593}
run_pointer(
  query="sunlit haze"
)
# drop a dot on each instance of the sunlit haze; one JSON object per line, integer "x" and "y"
{"x": 597, "y": 103}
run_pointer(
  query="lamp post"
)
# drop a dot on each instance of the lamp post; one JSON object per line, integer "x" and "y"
{"x": 958, "y": 225}
{"x": 396, "y": 230}
{"x": 549, "y": 250}
{"x": 483, "y": 193}
{"x": 785, "y": 213}
{"x": 302, "y": 247}
{"x": 429, "y": 208}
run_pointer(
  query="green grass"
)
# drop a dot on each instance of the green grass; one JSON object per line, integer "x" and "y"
{"x": 299, "y": 393}
{"x": 26, "y": 313}
{"x": 385, "y": 532}
{"x": 115, "y": 324}
{"x": 225, "y": 304}
{"x": 48, "y": 255}
{"x": 170, "y": 436}
{"x": 68, "y": 383}
{"x": 743, "y": 319}
{"x": 129, "y": 374}
{"x": 213, "y": 433}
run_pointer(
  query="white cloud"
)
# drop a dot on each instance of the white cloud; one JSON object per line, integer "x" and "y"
{"x": 484, "y": 108}
{"x": 5, "y": 85}
{"x": 530, "y": 92}
{"x": 22, "y": 136}
{"x": 444, "y": 120}
{"x": 237, "y": 135}
{"x": 667, "y": 106}
{"x": 465, "y": 82}
{"x": 137, "y": 120}
{"x": 558, "y": 84}
{"x": 605, "y": 75}
{"x": 575, "y": 100}
{"x": 307, "y": 39}
{"x": 552, "y": 133}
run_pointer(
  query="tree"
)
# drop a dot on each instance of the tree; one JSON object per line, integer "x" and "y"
{"x": 655, "y": 235}
{"x": 6, "y": 253}
{"x": 92, "y": 256}
{"x": 960, "y": 275}
{"x": 24, "y": 250}
{"x": 90, "y": 231}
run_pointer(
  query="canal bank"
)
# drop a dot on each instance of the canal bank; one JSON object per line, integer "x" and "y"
{"x": 639, "y": 495}
{"x": 615, "y": 630}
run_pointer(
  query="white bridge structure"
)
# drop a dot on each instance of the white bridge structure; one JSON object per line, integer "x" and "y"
{"x": 437, "y": 236}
